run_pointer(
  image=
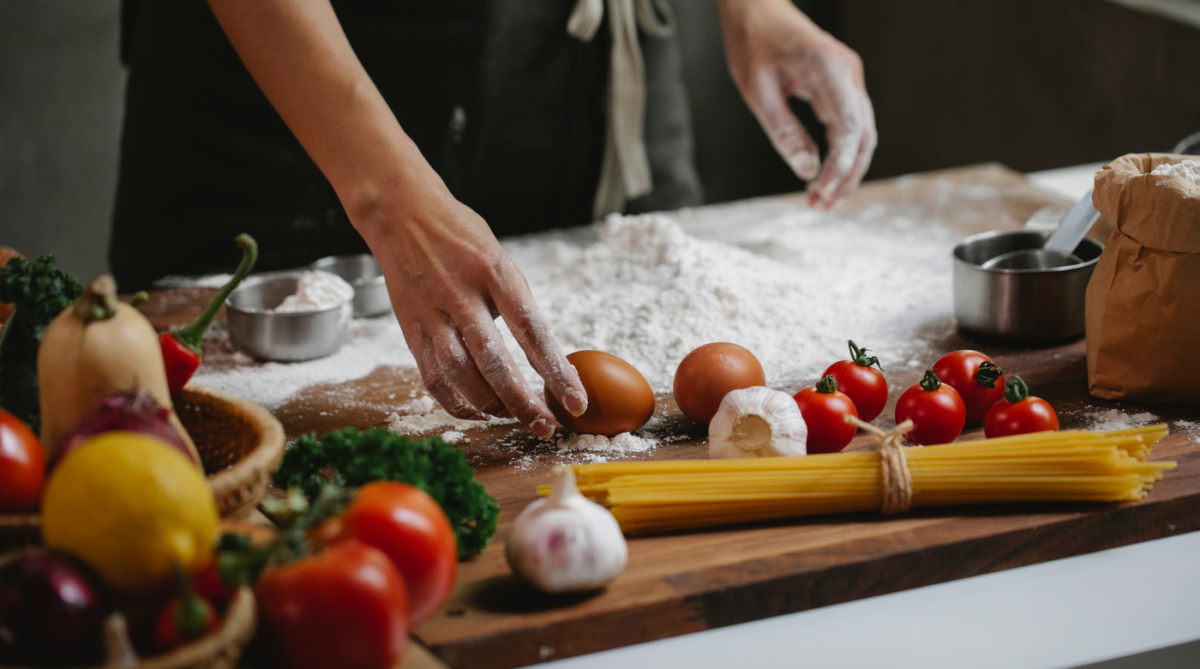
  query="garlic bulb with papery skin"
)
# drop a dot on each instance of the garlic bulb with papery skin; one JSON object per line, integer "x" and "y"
{"x": 565, "y": 542}
{"x": 757, "y": 422}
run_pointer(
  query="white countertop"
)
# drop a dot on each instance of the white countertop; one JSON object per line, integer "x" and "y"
{"x": 1066, "y": 613}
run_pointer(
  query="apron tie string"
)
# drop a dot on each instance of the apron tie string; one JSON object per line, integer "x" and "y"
{"x": 625, "y": 172}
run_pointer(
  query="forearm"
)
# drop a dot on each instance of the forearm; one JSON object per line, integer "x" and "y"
{"x": 300, "y": 58}
{"x": 737, "y": 15}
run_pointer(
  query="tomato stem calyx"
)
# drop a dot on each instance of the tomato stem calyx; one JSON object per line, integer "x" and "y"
{"x": 930, "y": 382}
{"x": 827, "y": 385}
{"x": 193, "y": 615}
{"x": 859, "y": 356}
{"x": 987, "y": 374}
{"x": 1015, "y": 390}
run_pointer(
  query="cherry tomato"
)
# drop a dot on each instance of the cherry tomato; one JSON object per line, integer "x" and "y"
{"x": 976, "y": 378}
{"x": 413, "y": 531}
{"x": 1018, "y": 413}
{"x": 185, "y": 617}
{"x": 824, "y": 409}
{"x": 22, "y": 466}
{"x": 865, "y": 386}
{"x": 345, "y": 608}
{"x": 709, "y": 373}
{"x": 935, "y": 409}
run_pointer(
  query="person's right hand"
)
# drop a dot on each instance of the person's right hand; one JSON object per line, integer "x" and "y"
{"x": 449, "y": 279}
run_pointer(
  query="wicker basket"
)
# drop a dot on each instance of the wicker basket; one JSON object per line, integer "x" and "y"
{"x": 240, "y": 444}
{"x": 219, "y": 650}
{"x": 19, "y": 530}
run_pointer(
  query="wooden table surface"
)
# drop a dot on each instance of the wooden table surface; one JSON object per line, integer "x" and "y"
{"x": 681, "y": 583}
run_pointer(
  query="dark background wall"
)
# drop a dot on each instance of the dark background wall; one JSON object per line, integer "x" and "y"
{"x": 1029, "y": 83}
{"x": 61, "y": 87}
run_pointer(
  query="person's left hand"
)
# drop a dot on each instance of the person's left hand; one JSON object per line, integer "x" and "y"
{"x": 775, "y": 52}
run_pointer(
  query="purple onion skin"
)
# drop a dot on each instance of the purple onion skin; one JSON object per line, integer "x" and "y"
{"x": 129, "y": 411}
{"x": 50, "y": 613}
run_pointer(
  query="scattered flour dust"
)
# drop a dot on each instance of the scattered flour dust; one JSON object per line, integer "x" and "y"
{"x": 1111, "y": 420}
{"x": 789, "y": 283}
{"x": 1191, "y": 428}
{"x": 1188, "y": 169}
{"x": 437, "y": 420}
{"x": 453, "y": 437}
{"x": 373, "y": 343}
{"x": 622, "y": 443}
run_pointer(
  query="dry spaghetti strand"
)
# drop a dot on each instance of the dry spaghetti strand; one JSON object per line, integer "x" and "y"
{"x": 1068, "y": 466}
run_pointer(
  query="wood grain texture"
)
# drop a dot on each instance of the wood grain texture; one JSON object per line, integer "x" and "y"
{"x": 681, "y": 583}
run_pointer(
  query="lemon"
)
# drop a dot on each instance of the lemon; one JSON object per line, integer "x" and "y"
{"x": 132, "y": 507}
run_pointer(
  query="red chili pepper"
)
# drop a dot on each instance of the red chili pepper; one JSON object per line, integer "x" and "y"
{"x": 186, "y": 617}
{"x": 181, "y": 348}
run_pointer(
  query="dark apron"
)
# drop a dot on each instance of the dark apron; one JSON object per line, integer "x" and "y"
{"x": 508, "y": 108}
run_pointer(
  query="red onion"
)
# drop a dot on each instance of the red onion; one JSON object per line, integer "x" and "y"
{"x": 50, "y": 612}
{"x": 129, "y": 411}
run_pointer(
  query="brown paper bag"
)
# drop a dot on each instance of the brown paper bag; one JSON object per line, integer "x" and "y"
{"x": 1143, "y": 302}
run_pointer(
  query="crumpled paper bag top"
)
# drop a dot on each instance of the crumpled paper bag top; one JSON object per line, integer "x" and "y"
{"x": 1139, "y": 205}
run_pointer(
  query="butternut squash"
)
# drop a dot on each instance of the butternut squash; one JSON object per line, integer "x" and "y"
{"x": 94, "y": 349}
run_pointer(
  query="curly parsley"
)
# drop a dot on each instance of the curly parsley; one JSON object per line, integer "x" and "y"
{"x": 40, "y": 293}
{"x": 357, "y": 458}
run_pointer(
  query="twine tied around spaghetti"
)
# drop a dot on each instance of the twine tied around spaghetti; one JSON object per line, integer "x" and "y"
{"x": 897, "y": 480}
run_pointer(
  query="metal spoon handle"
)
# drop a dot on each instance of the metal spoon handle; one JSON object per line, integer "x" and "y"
{"x": 1074, "y": 226}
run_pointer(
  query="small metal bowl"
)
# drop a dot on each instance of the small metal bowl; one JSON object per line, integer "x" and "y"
{"x": 361, "y": 271}
{"x": 286, "y": 336}
{"x": 1027, "y": 305}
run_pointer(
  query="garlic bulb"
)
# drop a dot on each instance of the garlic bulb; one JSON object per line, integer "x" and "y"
{"x": 566, "y": 542}
{"x": 757, "y": 422}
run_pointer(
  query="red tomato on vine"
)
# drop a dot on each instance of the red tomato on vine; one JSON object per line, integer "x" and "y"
{"x": 412, "y": 530}
{"x": 976, "y": 377}
{"x": 346, "y": 607}
{"x": 1019, "y": 413}
{"x": 936, "y": 410}
{"x": 864, "y": 385}
{"x": 22, "y": 466}
{"x": 824, "y": 409}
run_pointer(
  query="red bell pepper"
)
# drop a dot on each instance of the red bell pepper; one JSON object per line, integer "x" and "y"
{"x": 181, "y": 348}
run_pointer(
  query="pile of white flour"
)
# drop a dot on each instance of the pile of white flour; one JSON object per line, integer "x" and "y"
{"x": 1188, "y": 169}
{"x": 316, "y": 290}
{"x": 788, "y": 283}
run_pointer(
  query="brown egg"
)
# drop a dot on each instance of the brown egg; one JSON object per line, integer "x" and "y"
{"x": 708, "y": 373}
{"x": 619, "y": 397}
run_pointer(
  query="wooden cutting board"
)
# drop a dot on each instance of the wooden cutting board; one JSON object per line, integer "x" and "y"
{"x": 676, "y": 584}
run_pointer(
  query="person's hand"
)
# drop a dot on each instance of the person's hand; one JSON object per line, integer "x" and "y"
{"x": 449, "y": 279}
{"x": 774, "y": 52}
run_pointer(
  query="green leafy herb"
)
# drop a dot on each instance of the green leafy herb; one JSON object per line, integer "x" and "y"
{"x": 432, "y": 465}
{"x": 40, "y": 292}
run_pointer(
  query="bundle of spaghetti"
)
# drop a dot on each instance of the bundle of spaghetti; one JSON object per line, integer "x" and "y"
{"x": 1068, "y": 466}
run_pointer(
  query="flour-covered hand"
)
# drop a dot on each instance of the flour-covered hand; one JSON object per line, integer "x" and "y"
{"x": 776, "y": 52}
{"x": 449, "y": 279}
